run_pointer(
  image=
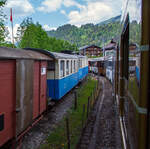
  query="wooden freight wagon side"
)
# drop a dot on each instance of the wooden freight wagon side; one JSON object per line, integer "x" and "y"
{"x": 22, "y": 90}
{"x": 7, "y": 99}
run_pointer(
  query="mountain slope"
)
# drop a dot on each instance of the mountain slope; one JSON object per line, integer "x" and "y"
{"x": 87, "y": 34}
{"x": 111, "y": 20}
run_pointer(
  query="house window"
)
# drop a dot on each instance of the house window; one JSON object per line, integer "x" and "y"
{"x": 62, "y": 68}
{"x": 67, "y": 67}
{"x": 1, "y": 122}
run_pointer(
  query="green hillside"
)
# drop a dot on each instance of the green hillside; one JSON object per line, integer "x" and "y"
{"x": 98, "y": 34}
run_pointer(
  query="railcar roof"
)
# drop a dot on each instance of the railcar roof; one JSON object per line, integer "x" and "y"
{"x": 54, "y": 55}
{"x": 96, "y": 59}
{"x": 13, "y": 53}
{"x": 81, "y": 56}
{"x": 63, "y": 56}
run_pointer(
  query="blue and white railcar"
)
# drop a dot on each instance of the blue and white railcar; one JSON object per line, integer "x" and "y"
{"x": 63, "y": 76}
{"x": 82, "y": 67}
{"x": 64, "y": 72}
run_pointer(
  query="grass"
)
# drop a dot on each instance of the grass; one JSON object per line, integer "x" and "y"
{"x": 58, "y": 138}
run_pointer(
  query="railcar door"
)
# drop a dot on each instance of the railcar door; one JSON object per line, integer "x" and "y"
{"x": 24, "y": 94}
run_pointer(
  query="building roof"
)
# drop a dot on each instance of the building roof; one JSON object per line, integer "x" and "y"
{"x": 13, "y": 53}
{"x": 88, "y": 46}
{"x": 111, "y": 45}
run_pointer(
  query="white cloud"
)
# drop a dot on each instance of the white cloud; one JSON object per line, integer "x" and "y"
{"x": 20, "y": 7}
{"x": 48, "y": 28}
{"x": 69, "y": 3}
{"x": 9, "y": 38}
{"x": 94, "y": 12}
{"x": 50, "y": 5}
{"x": 63, "y": 12}
{"x": 53, "y": 5}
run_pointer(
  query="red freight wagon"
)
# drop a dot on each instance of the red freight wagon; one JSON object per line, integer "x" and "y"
{"x": 22, "y": 90}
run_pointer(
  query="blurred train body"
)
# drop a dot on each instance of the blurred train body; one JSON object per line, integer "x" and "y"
{"x": 133, "y": 74}
{"x": 110, "y": 67}
{"x": 69, "y": 70}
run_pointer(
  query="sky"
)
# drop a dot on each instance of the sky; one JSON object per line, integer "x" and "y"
{"x": 54, "y": 13}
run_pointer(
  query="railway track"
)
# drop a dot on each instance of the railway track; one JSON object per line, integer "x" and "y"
{"x": 102, "y": 130}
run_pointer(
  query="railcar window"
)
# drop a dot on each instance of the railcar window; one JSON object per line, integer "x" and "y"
{"x": 84, "y": 63}
{"x": 74, "y": 68}
{"x": 62, "y": 68}
{"x": 80, "y": 63}
{"x": 51, "y": 65}
{"x": 67, "y": 67}
{"x": 71, "y": 66}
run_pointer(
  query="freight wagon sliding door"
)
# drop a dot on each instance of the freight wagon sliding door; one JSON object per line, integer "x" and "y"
{"x": 7, "y": 99}
{"x": 24, "y": 94}
{"x": 43, "y": 78}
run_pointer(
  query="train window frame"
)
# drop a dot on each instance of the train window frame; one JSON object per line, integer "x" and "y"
{"x": 62, "y": 68}
{"x": 74, "y": 65}
{"x": 67, "y": 67}
{"x": 71, "y": 66}
{"x": 80, "y": 63}
{"x": 2, "y": 122}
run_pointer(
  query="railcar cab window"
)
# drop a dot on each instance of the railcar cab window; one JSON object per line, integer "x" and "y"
{"x": 51, "y": 65}
{"x": 62, "y": 68}
{"x": 67, "y": 67}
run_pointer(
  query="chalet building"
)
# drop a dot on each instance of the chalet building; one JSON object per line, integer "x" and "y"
{"x": 110, "y": 48}
{"x": 90, "y": 50}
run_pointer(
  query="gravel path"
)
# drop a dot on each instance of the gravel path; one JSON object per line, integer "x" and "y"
{"x": 102, "y": 130}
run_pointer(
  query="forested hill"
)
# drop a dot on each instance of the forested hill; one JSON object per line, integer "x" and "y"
{"x": 89, "y": 33}
{"x": 111, "y": 20}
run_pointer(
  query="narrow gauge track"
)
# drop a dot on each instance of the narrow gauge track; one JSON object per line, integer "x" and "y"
{"x": 38, "y": 134}
{"x": 102, "y": 130}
